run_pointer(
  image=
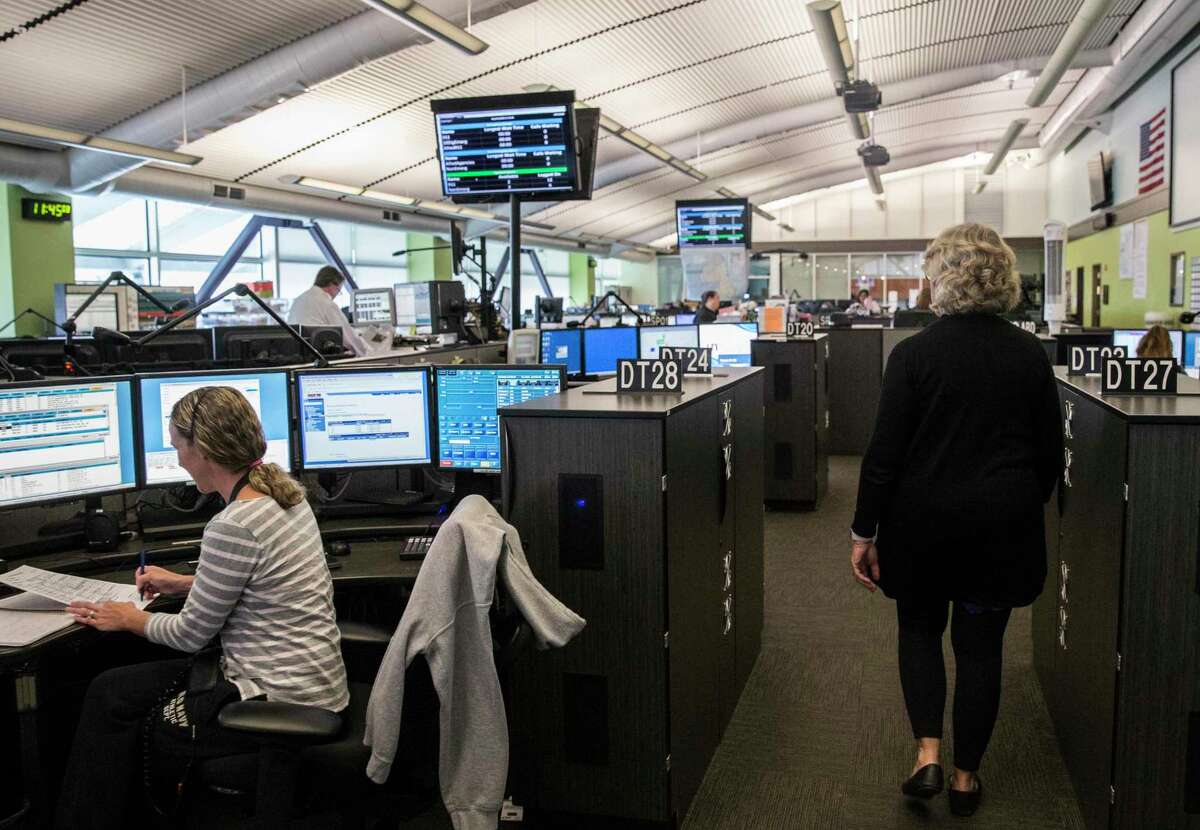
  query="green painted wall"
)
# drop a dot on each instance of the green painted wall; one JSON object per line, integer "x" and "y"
{"x": 583, "y": 278}
{"x": 1122, "y": 310}
{"x": 424, "y": 266}
{"x": 33, "y": 256}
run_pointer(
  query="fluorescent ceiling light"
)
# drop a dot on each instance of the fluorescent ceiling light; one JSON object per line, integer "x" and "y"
{"x": 658, "y": 152}
{"x": 760, "y": 212}
{"x": 785, "y": 226}
{"x": 610, "y": 125}
{"x": 391, "y": 198}
{"x": 727, "y": 193}
{"x": 684, "y": 167}
{"x": 86, "y": 141}
{"x": 833, "y": 36}
{"x": 1006, "y": 142}
{"x": 424, "y": 19}
{"x": 634, "y": 139}
{"x": 334, "y": 187}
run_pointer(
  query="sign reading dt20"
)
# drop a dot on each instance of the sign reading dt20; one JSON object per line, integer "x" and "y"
{"x": 45, "y": 210}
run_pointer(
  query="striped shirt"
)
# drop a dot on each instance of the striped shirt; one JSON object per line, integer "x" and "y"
{"x": 263, "y": 586}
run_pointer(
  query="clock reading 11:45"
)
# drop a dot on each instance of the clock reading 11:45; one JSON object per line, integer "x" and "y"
{"x": 45, "y": 210}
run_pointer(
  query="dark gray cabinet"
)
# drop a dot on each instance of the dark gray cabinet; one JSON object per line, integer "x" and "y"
{"x": 645, "y": 515}
{"x": 796, "y": 397}
{"x": 855, "y": 384}
{"x": 1117, "y": 631}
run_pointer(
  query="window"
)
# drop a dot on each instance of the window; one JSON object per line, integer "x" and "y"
{"x": 832, "y": 276}
{"x": 115, "y": 222}
{"x": 868, "y": 272}
{"x": 189, "y": 229}
{"x": 191, "y": 273}
{"x": 796, "y": 276}
{"x": 97, "y": 268}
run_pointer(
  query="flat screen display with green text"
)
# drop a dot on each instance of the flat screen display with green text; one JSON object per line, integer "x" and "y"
{"x": 713, "y": 223}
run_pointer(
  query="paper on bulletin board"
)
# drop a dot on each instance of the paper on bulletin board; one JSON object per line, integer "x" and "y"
{"x": 1141, "y": 255}
{"x": 1196, "y": 284}
{"x": 1126, "y": 252}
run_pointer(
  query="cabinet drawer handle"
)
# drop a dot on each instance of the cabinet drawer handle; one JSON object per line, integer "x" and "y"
{"x": 728, "y": 565}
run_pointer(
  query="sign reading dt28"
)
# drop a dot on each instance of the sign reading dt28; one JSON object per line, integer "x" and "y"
{"x": 696, "y": 361}
{"x": 649, "y": 376}
{"x": 1088, "y": 360}
{"x": 44, "y": 210}
{"x": 1139, "y": 376}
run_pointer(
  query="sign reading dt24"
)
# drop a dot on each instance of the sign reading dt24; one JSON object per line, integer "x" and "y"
{"x": 696, "y": 361}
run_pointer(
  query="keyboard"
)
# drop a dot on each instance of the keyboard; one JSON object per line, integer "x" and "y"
{"x": 415, "y": 547}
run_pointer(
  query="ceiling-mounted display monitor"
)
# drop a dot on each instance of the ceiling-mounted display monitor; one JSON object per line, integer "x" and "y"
{"x": 713, "y": 223}
{"x": 495, "y": 147}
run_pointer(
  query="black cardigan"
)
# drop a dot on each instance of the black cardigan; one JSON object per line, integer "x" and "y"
{"x": 966, "y": 450}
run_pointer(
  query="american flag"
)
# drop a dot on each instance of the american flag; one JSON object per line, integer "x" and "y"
{"x": 1153, "y": 151}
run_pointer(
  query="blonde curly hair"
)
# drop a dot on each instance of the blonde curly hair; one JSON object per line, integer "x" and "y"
{"x": 970, "y": 268}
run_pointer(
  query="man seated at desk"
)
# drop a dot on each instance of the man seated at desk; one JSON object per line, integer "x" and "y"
{"x": 261, "y": 584}
{"x": 710, "y": 306}
{"x": 315, "y": 307}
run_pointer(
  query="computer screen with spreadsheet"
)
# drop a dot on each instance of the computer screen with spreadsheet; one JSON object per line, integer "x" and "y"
{"x": 64, "y": 440}
{"x": 266, "y": 390}
{"x": 468, "y": 401}
{"x": 357, "y": 418}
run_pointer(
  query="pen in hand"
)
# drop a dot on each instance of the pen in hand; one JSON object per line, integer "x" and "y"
{"x": 142, "y": 570}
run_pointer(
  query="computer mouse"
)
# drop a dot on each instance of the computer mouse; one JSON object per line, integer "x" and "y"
{"x": 339, "y": 548}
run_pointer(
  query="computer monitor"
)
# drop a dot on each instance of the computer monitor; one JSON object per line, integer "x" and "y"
{"x": 66, "y": 439}
{"x": 265, "y": 389}
{"x": 178, "y": 345}
{"x": 494, "y": 147}
{"x": 1191, "y": 350}
{"x": 258, "y": 344}
{"x": 563, "y": 347}
{"x": 413, "y": 307}
{"x": 730, "y": 342}
{"x": 603, "y": 347}
{"x": 468, "y": 400}
{"x": 102, "y": 312}
{"x": 685, "y": 318}
{"x": 372, "y": 305}
{"x": 650, "y": 338}
{"x": 712, "y": 223}
{"x": 357, "y": 418}
{"x": 1129, "y": 338}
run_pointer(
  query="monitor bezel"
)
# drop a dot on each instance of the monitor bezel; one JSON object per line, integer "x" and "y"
{"x": 298, "y": 428}
{"x": 490, "y": 102}
{"x": 745, "y": 203}
{"x": 135, "y": 403}
{"x": 280, "y": 370}
{"x": 542, "y": 357}
{"x": 562, "y": 387}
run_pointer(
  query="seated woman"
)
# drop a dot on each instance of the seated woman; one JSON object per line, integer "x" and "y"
{"x": 1155, "y": 343}
{"x": 261, "y": 585}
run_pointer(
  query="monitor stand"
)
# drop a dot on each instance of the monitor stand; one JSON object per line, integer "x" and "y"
{"x": 468, "y": 483}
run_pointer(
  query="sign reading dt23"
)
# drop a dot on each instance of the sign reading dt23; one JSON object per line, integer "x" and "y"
{"x": 44, "y": 210}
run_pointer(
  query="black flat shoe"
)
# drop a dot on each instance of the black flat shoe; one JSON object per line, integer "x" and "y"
{"x": 966, "y": 803}
{"x": 924, "y": 783}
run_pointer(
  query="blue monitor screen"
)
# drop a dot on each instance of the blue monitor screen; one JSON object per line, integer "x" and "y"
{"x": 602, "y": 348}
{"x": 650, "y": 338}
{"x": 685, "y": 318}
{"x": 356, "y": 418}
{"x": 730, "y": 342}
{"x": 66, "y": 440}
{"x": 266, "y": 390}
{"x": 1129, "y": 338}
{"x": 468, "y": 400}
{"x": 563, "y": 346}
{"x": 1191, "y": 360}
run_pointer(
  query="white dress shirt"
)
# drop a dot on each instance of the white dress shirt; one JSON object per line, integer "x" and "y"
{"x": 316, "y": 308}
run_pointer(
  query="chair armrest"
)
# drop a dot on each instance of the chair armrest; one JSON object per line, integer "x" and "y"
{"x": 364, "y": 634}
{"x": 273, "y": 722}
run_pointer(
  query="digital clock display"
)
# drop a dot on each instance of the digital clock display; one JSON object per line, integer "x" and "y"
{"x": 45, "y": 210}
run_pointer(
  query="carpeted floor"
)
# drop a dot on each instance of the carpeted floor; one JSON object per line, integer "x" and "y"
{"x": 820, "y": 738}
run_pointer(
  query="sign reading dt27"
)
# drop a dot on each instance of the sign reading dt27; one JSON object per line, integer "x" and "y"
{"x": 1088, "y": 360}
{"x": 696, "y": 361}
{"x": 1139, "y": 376}
{"x": 649, "y": 376}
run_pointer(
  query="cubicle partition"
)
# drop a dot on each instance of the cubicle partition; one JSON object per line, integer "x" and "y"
{"x": 1117, "y": 628}
{"x": 796, "y": 397}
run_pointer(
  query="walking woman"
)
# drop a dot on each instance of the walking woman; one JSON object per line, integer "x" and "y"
{"x": 261, "y": 584}
{"x": 966, "y": 450}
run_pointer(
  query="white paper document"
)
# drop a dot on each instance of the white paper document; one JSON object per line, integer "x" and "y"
{"x": 66, "y": 588}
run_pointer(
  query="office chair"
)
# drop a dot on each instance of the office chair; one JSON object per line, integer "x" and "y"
{"x": 318, "y": 756}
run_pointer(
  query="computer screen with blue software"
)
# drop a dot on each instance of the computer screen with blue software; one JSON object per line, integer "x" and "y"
{"x": 730, "y": 342}
{"x": 564, "y": 347}
{"x": 1191, "y": 350}
{"x": 358, "y": 418}
{"x": 1129, "y": 338}
{"x": 468, "y": 399}
{"x": 64, "y": 440}
{"x": 602, "y": 348}
{"x": 650, "y": 338}
{"x": 266, "y": 390}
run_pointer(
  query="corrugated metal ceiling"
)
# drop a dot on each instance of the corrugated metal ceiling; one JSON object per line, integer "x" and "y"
{"x": 673, "y": 69}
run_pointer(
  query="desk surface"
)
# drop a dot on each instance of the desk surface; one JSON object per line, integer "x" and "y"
{"x": 369, "y": 563}
{"x": 600, "y": 399}
{"x": 1172, "y": 409}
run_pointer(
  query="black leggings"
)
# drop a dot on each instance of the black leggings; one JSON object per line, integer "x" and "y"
{"x": 978, "y": 640}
